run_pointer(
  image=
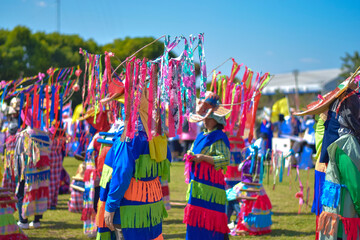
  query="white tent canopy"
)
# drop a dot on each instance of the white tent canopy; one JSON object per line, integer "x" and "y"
{"x": 308, "y": 82}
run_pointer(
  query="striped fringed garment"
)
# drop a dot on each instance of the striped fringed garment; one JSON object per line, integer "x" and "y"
{"x": 141, "y": 210}
{"x": 75, "y": 203}
{"x": 9, "y": 229}
{"x": 8, "y": 180}
{"x": 33, "y": 150}
{"x": 204, "y": 214}
{"x": 255, "y": 215}
{"x": 56, "y": 160}
{"x": 88, "y": 213}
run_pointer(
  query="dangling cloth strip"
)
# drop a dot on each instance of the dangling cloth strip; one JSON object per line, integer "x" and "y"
{"x": 328, "y": 223}
{"x": 300, "y": 194}
{"x": 41, "y": 102}
{"x": 61, "y": 108}
{"x": 254, "y": 109}
{"x": 3, "y": 95}
{"x": 202, "y": 66}
{"x": 47, "y": 105}
{"x": 213, "y": 83}
{"x": 32, "y": 111}
{"x": 261, "y": 169}
{"x": 21, "y": 106}
{"x": 56, "y": 105}
{"x": 180, "y": 112}
{"x": 35, "y": 107}
{"x": 134, "y": 81}
{"x": 155, "y": 112}
{"x": 173, "y": 99}
{"x": 351, "y": 227}
{"x": 253, "y": 159}
{"x": 52, "y": 111}
{"x": 136, "y": 115}
{"x": 151, "y": 101}
{"x": 84, "y": 80}
{"x": 26, "y": 109}
{"x": 128, "y": 97}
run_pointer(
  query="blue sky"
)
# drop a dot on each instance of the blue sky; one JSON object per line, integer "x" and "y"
{"x": 267, "y": 35}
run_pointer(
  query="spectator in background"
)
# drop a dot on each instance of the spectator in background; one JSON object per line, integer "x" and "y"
{"x": 267, "y": 128}
{"x": 309, "y": 135}
{"x": 284, "y": 126}
{"x": 295, "y": 123}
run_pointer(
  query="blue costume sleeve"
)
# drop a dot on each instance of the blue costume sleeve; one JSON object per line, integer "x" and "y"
{"x": 123, "y": 167}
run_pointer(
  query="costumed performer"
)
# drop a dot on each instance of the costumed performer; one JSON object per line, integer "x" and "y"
{"x": 8, "y": 180}
{"x": 92, "y": 173}
{"x": 57, "y": 154}
{"x": 131, "y": 196}
{"x": 255, "y": 213}
{"x": 326, "y": 133}
{"x": 206, "y": 160}
{"x": 340, "y": 197}
{"x": 77, "y": 189}
{"x": 32, "y": 171}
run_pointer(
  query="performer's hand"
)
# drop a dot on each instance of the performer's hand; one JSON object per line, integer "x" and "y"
{"x": 109, "y": 219}
{"x": 197, "y": 158}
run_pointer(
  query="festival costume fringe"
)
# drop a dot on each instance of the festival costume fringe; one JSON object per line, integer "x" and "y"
{"x": 106, "y": 236}
{"x": 351, "y": 227}
{"x": 206, "y": 193}
{"x": 105, "y": 176}
{"x": 144, "y": 191}
{"x": 328, "y": 223}
{"x": 142, "y": 216}
{"x": 207, "y": 172}
{"x": 205, "y": 218}
{"x": 331, "y": 194}
{"x": 259, "y": 220}
{"x": 146, "y": 167}
{"x": 33, "y": 195}
{"x": 100, "y": 221}
{"x": 204, "y": 171}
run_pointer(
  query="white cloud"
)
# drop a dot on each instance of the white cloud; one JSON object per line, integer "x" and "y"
{"x": 41, "y": 4}
{"x": 309, "y": 60}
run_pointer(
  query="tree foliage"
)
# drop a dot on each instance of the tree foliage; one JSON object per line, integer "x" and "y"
{"x": 23, "y": 53}
{"x": 350, "y": 64}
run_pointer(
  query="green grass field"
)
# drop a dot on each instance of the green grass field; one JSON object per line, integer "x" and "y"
{"x": 287, "y": 224}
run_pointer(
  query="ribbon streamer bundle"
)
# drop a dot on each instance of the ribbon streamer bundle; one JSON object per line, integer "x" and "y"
{"x": 241, "y": 96}
{"x": 171, "y": 83}
{"x": 43, "y": 99}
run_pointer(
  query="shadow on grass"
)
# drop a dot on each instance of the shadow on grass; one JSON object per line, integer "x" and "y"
{"x": 178, "y": 206}
{"x": 60, "y": 208}
{"x": 172, "y": 221}
{"x": 175, "y": 235}
{"x": 289, "y": 233}
{"x": 62, "y": 225}
{"x": 52, "y": 238}
{"x": 291, "y": 214}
